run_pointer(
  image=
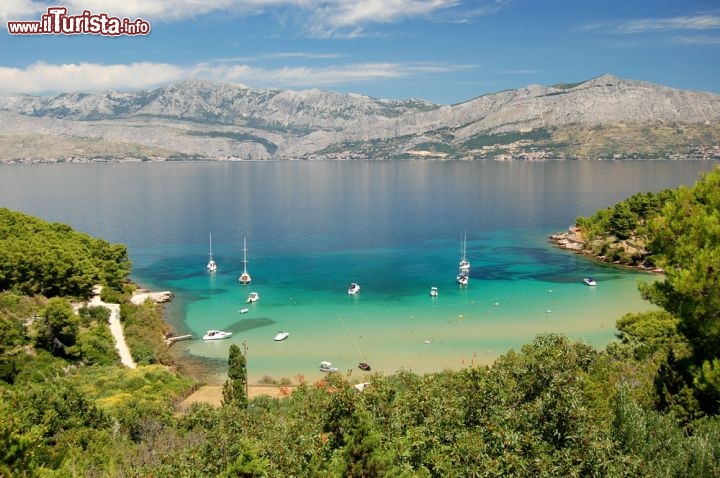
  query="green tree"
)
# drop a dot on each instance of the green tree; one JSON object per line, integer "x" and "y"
{"x": 686, "y": 241}
{"x": 623, "y": 221}
{"x": 58, "y": 327}
{"x": 649, "y": 332}
{"x": 234, "y": 387}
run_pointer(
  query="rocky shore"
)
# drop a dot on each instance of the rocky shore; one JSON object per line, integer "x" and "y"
{"x": 628, "y": 253}
{"x": 141, "y": 295}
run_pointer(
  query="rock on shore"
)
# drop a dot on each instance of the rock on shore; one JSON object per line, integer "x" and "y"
{"x": 628, "y": 252}
{"x": 141, "y": 295}
{"x": 571, "y": 239}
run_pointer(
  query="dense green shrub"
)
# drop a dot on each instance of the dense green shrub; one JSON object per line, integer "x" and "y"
{"x": 52, "y": 259}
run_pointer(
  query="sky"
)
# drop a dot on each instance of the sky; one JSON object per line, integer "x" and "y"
{"x": 444, "y": 51}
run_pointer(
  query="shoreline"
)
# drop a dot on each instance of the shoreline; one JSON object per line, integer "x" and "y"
{"x": 573, "y": 240}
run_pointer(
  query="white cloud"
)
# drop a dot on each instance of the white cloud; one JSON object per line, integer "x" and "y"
{"x": 698, "y": 40}
{"x": 697, "y": 22}
{"x": 41, "y": 78}
{"x": 44, "y": 77}
{"x": 383, "y": 11}
{"x": 647, "y": 25}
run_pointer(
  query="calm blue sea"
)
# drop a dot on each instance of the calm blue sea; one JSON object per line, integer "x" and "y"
{"x": 392, "y": 226}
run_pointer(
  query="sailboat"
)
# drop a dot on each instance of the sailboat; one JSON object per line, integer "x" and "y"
{"x": 244, "y": 277}
{"x": 464, "y": 265}
{"x": 211, "y": 265}
{"x": 463, "y": 276}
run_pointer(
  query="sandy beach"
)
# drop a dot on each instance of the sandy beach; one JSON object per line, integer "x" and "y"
{"x": 212, "y": 394}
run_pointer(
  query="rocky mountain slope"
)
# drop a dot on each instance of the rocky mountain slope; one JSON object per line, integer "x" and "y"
{"x": 605, "y": 117}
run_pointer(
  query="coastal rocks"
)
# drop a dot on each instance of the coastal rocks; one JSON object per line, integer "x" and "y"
{"x": 571, "y": 239}
{"x": 141, "y": 295}
{"x": 629, "y": 252}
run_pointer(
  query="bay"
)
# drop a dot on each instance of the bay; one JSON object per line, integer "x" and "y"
{"x": 392, "y": 226}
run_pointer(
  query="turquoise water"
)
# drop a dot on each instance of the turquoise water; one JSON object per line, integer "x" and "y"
{"x": 515, "y": 293}
{"x": 393, "y": 227}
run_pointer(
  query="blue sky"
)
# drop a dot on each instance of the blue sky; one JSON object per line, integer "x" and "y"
{"x": 445, "y": 51}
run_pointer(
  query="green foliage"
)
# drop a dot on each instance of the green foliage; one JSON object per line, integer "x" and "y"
{"x": 37, "y": 257}
{"x": 529, "y": 414}
{"x": 234, "y": 388}
{"x": 481, "y": 140}
{"x": 144, "y": 331}
{"x": 681, "y": 228}
{"x": 111, "y": 296}
{"x": 20, "y": 445}
{"x": 643, "y": 407}
{"x": 96, "y": 345}
{"x": 648, "y": 333}
{"x": 686, "y": 240}
{"x": 654, "y": 446}
{"x": 706, "y": 379}
{"x": 625, "y": 219}
{"x": 57, "y": 328}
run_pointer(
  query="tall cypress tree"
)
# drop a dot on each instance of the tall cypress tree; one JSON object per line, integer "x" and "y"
{"x": 234, "y": 388}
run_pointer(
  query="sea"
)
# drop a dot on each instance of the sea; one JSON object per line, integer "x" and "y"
{"x": 393, "y": 227}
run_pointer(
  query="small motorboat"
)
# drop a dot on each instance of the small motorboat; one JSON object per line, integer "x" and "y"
{"x": 589, "y": 281}
{"x": 243, "y": 311}
{"x": 433, "y": 291}
{"x": 327, "y": 367}
{"x": 364, "y": 366}
{"x": 281, "y": 336}
{"x": 216, "y": 335}
{"x": 462, "y": 279}
{"x": 253, "y": 297}
{"x": 354, "y": 288}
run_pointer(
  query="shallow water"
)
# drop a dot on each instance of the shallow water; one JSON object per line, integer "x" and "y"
{"x": 394, "y": 227}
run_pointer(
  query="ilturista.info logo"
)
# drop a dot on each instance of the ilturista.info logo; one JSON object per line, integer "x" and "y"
{"x": 57, "y": 22}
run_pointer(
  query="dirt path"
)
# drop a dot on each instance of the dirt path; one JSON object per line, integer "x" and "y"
{"x": 115, "y": 328}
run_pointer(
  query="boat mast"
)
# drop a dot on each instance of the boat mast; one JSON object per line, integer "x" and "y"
{"x": 244, "y": 277}
{"x": 211, "y": 266}
{"x": 244, "y": 257}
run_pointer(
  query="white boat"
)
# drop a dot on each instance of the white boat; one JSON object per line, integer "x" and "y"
{"x": 589, "y": 281}
{"x": 244, "y": 277}
{"x": 464, "y": 265}
{"x": 211, "y": 265}
{"x": 216, "y": 335}
{"x": 463, "y": 279}
{"x": 327, "y": 367}
{"x": 281, "y": 336}
{"x": 354, "y": 288}
{"x": 433, "y": 291}
{"x": 243, "y": 311}
{"x": 253, "y": 297}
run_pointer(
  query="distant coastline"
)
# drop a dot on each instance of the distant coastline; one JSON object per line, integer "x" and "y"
{"x": 602, "y": 118}
{"x": 536, "y": 155}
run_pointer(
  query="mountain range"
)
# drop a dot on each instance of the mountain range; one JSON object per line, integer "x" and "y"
{"x": 605, "y": 117}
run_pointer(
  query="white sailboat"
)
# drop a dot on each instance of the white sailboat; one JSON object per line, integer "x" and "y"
{"x": 244, "y": 277}
{"x": 211, "y": 265}
{"x": 464, "y": 265}
{"x": 463, "y": 276}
